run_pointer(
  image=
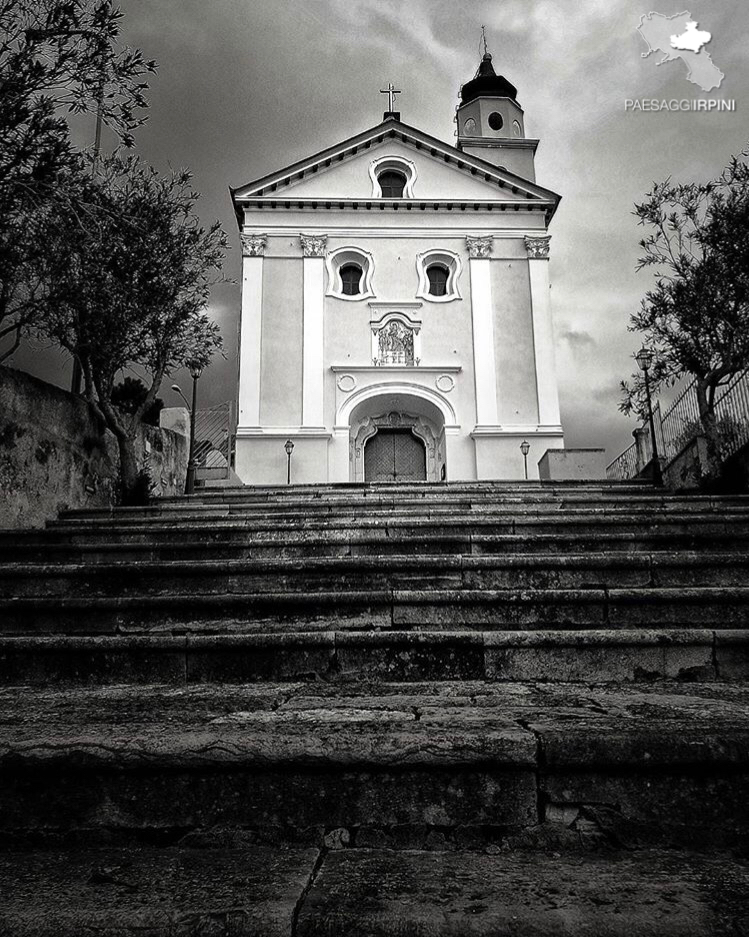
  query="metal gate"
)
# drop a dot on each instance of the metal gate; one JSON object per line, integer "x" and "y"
{"x": 394, "y": 456}
{"x": 213, "y": 441}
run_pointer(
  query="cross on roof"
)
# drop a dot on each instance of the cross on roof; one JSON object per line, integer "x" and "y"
{"x": 391, "y": 93}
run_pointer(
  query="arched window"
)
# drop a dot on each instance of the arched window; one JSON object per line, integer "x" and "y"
{"x": 437, "y": 275}
{"x": 351, "y": 275}
{"x": 392, "y": 177}
{"x": 392, "y": 183}
{"x": 350, "y": 271}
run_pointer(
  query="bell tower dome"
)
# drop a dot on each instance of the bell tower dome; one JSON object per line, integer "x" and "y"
{"x": 491, "y": 123}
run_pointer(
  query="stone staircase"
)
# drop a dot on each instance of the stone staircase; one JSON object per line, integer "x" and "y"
{"x": 460, "y": 709}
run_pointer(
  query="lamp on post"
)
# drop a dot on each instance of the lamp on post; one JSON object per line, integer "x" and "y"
{"x": 644, "y": 359}
{"x": 525, "y": 448}
{"x": 195, "y": 371}
{"x": 289, "y": 447}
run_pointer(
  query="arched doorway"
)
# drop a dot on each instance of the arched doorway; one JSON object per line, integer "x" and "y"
{"x": 397, "y": 437}
{"x": 395, "y": 455}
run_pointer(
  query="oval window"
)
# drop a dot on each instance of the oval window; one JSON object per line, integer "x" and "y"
{"x": 495, "y": 120}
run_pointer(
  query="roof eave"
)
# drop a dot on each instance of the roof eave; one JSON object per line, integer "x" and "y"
{"x": 276, "y": 203}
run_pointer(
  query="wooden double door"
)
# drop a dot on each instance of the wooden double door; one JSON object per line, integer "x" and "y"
{"x": 394, "y": 455}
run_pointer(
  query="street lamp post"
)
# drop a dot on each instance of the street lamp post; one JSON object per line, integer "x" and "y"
{"x": 195, "y": 372}
{"x": 644, "y": 359}
{"x": 289, "y": 447}
{"x": 525, "y": 448}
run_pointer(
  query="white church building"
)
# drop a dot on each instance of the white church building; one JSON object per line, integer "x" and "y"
{"x": 395, "y": 321}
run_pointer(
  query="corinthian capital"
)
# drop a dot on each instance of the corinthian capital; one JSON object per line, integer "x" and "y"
{"x": 479, "y": 248}
{"x": 253, "y": 245}
{"x": 313, "y": 245}
{"x": 538, "y": 247}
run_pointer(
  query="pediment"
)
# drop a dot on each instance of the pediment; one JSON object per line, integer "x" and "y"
{"x": 442, "y": 173}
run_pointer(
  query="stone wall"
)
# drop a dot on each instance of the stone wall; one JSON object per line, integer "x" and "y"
{"x": 56, "y": 454}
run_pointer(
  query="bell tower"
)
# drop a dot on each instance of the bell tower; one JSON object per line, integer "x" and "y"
{"x": 491, "y": 123}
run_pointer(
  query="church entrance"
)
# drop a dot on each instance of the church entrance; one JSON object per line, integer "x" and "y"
{"x": 394, "y": 455}
{"x": 396, "y": 437}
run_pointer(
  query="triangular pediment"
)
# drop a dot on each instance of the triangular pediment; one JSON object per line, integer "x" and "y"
{"x": 443, "y": 173}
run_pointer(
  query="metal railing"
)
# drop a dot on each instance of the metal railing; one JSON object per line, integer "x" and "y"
{"x": 677, "y": 420}
{"x": 734, "y": 404}
{"x": 624, "y": 465}
{"x": 680, "y": 423}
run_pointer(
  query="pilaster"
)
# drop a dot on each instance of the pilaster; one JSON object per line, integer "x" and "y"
{"x": 543, "y": 334}
{"x": 313, "y": 249}
{"x": 482, "y": 317}
{"x": 250, "y": 328}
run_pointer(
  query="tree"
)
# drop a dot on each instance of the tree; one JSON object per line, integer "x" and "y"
{"x": 130, "y": 393}
{"x": 129, "y": 270}
{"x": 696, "y": 318}
{"x": 56, "y": 57}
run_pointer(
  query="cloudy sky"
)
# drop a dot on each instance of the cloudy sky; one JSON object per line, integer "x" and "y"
{"x": 247, "y": 86}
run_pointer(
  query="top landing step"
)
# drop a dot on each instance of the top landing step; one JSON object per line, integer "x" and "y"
{"x": 413, "y": 487}
{"x": 416, "y": 490}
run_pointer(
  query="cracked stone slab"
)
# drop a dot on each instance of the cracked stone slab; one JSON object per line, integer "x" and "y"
{"x": 379, "y": 893}
{"x": 251, "y": 892}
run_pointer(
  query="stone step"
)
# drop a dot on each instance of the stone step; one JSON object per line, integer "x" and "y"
{"x": 388, "y": 571}
{"x": 105, "y": 546}
{"x": 251, "y": 890}
{"x": 397, "y": 512}
{"x": 595, "y": 656}
{"x": 567, "y": 523}
{"x": 666, "y": 764}
{"x": 444, "y": 609}
{"x": 292, "y": 494}
{"x": 419, "y": 489}
{"x": 645, "y": 893}
{"x": 188, "y": 509}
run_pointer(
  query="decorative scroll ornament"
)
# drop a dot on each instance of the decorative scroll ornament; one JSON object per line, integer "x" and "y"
{"x": 313, "y": 245}
{"x": 479, "y": 248}
{"x": 538, "y": 248}
{"x": 253, "y": 245}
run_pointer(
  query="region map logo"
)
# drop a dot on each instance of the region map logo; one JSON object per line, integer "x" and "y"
{"x": 679, "y": 37}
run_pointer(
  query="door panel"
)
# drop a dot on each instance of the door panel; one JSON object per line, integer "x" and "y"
{"x": 394, "y": 455}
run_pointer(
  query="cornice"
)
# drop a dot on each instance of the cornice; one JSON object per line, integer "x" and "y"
{"x": 396, "y": 205}
{"x": 416, "y": 369}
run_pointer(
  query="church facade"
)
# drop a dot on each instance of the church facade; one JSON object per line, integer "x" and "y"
{"x": 395, "y": 321}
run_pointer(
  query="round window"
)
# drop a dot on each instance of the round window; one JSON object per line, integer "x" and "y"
{"x": 495, "y": 120}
